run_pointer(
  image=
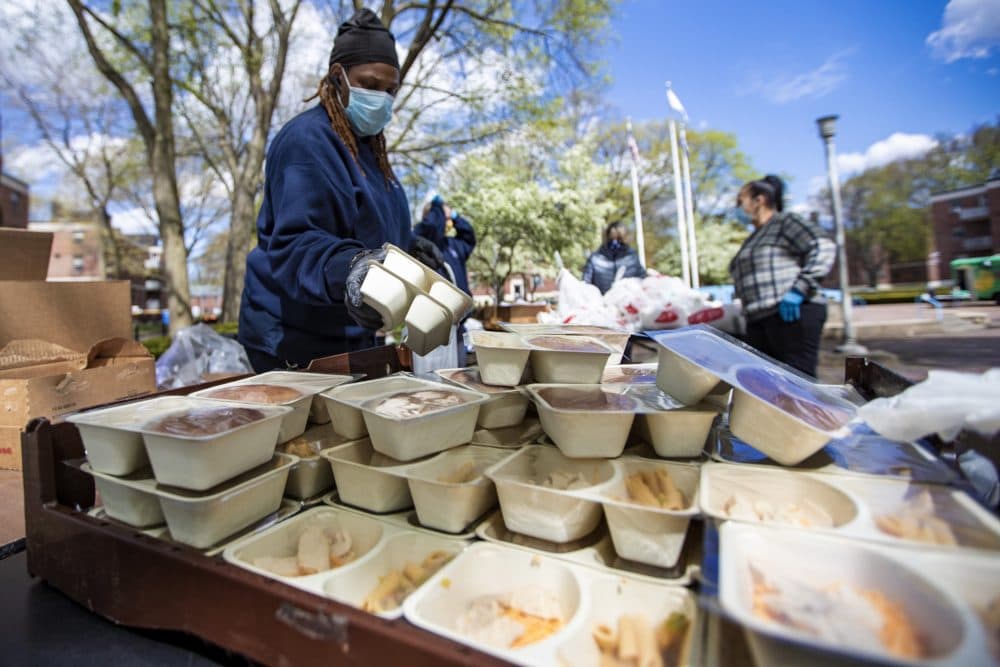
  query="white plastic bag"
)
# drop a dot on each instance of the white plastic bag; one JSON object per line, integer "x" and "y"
{"x": 196, "y": 352}
{"x": 944, "y": 403}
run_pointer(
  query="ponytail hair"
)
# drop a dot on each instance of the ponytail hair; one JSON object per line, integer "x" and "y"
{"x": 771, "y": 189}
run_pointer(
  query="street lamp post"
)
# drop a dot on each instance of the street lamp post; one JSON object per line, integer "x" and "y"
{"x": 827, "y": 128}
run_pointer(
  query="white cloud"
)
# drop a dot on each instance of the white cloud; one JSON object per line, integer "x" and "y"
{"x": 133, "y": 221}
{"x": 898, "y": 146}
{"x": 813, "y": 84}
{"x": 969, "y": 29}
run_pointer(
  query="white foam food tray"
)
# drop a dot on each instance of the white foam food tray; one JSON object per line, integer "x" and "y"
{"x": 527, "y": 432}
{"x": 438, "y": 429}
{"x": 881, "y": 510}
{"x": 597, "y": 551}
{"x": 203, "y": 519}
{"x": 293, "y": 424}
{"x": 642, "y": 533}
{"x": 773, "y": 409}
{"x": 366, "y": 479}
{"x": 312, "y": 475}
{"x": 616, "y": 339}
{"x": 788, "y": 572}
{"x": 118, "y": 441}
{"x": 450, "y": 491}
{"x": 379, "y": 548}
{"x": 406, "y": 518}
{"x": 560, "y": 359}
{"x": 287, "y": 509}
{"x": 342, "y": 402}
{"x": 502, "y": 357}
{"x": 425, "y": 280}
{"x": 310, "y": 383}
{"x": 861, "y": 454}
{"x": 584, "y": 598}
{"x": 506, "y": 406}
{"x": 595, "y": 420}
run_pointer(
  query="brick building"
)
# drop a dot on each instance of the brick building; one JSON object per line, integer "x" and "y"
{"x": 967, "y": 221}
{"x": 77, "y": 249}
{"x": 13, "y": 201}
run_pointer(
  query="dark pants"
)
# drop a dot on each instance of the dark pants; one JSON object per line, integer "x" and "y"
{"x": 793, "y": 343}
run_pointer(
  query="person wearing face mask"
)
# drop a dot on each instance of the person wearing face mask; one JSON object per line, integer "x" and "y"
{"x": 331, "y": 200}
{"x": 776, "y": 275}
{"x": 613, "y": 260}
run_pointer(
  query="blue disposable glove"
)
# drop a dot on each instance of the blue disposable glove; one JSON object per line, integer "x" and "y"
{"x": 788, "y": 307}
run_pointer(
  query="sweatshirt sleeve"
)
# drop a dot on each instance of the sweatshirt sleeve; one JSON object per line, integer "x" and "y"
{"x": 431, "y": 227}
{"x": 307, "y": 253}
{"x": 816, "y": 251}
{"x": 465, "y": 237}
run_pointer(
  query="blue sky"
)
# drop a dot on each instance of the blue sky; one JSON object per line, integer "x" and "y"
{"x": 766, "y": 70}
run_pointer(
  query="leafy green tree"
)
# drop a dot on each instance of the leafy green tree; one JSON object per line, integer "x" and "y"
{"x": 526, "y": 205}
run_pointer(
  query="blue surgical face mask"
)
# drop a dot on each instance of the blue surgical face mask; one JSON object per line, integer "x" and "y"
{"x": 369, "y": 111}
{"x": 743, "y": 218}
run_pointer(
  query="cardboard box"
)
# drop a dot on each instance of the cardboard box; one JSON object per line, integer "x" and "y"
{"x": 24, "y": 255}
{"x": 64, "y": 346}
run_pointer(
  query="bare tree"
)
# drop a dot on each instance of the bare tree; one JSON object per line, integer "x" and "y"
{"x": 150, "y": 59}
{"x": 240, "y": 111}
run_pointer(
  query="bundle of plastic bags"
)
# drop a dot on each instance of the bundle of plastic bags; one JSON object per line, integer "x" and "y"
{"x": 637, "y": 304}
{"x": 198, "y": 353}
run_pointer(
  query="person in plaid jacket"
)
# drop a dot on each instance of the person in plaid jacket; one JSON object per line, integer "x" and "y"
{"x": 776, "y": 274}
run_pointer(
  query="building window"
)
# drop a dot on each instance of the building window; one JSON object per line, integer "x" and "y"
{"x": 79, "y": 236}
{"x": 77, "y": 264}
{"x": 958, "y": 232}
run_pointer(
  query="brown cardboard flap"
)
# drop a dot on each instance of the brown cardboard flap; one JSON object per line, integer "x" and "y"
{"x": 116, "y": 351}
{"x": 21, "y": 354}
{"x": 72, "y": 314}
{"x": 24, "y": 255}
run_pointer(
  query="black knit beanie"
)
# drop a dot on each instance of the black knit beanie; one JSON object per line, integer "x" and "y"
{"x": 363, "y": 39}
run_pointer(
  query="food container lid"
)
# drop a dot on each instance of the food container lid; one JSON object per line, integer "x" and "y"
{"x": 566, "y": 343}
{"x": 469, "y": 399}
{"x": 470, "y": 379}
{"x": 744, "y": 369}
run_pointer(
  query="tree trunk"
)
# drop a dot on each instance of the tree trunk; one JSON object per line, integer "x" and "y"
{"x": 241, "y": 229}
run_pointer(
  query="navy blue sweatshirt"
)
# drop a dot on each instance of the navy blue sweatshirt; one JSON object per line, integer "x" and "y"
{"x": 319, "y": 211}
{"x": 457, "y": 249}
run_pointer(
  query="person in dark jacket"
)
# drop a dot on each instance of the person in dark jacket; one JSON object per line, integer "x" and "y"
{"x": 613, "y": 260}
{"x": 331, "y": 200}
{"x": 452, "y": 234}
{"x": 776, "y": 275}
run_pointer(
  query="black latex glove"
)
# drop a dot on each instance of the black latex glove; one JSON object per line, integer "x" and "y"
{"x": 427, "y": 252}
{"x": 360, "y": 311}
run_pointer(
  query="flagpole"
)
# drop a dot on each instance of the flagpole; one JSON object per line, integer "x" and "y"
{"x": 679, "y": 196}
{"x": 640, "y": 237}
{"x": 689, "y": 201}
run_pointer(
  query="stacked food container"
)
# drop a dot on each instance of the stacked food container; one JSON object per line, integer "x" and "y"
{"x": 835, "y": 545}
{"x": 208, "y": 466}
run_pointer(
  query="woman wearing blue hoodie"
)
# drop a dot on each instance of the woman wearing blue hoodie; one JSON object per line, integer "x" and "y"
{"x": 331, "y": 200}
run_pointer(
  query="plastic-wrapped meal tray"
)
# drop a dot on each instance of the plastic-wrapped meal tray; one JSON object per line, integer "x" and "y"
{"x": 506, "y": 406}
{"x": 560, "y": 359}
{"x": 191, "y": 443}
{"x": 201, "y": 519}
{"x": 629, "y": 374}
{"x": 448, "y": 490}
{"x": 411, "y": 423}
{"x": 860, "y": 453}
{"x": 807, "y": 599}
{"x": 342, "y": 402}
{"x": 648, "y": 504}
{"x": 312, "y": 475}
{"x": 773, "y": 409}
{"x": 406, "y": 518}
{"x": 502, "y": 357}
{"x": 311, "y": 383}
{"x": 277, "y": 388}
{"x": 596, "y": 421}
{"x": 883, "y": 510}
{"x": 535, "y": 610}
{"x": 359, "y": 560}
{"x": 616, "y": 339}
{"x": 597, "y": 551}
{"x": 528, "y": 432}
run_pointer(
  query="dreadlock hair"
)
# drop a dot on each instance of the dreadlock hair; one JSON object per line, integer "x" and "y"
{"x": 329, "y": 97}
